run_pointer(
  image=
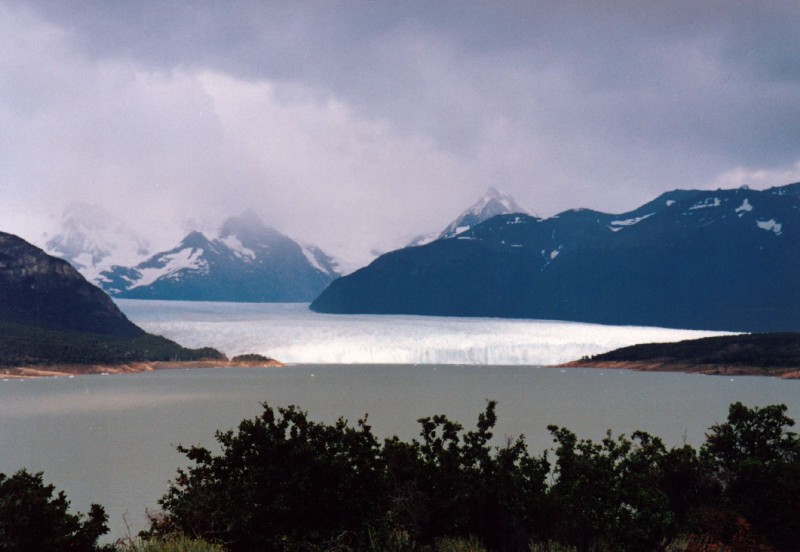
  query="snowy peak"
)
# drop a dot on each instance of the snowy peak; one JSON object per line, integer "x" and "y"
{"x": 248, "y": 262}
{"x": 92, "y": 240}
{"x": 492, "y": 203}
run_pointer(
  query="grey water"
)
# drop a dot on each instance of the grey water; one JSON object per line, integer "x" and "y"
{"x": 110, "y": 439}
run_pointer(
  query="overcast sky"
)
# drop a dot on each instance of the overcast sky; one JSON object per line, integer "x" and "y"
{"x": 353, "y": 124}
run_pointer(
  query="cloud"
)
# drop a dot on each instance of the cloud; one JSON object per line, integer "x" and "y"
{"x": 355, "y": 128}
{"x": 759, "y": 177}
{"x": 159, "y": 147}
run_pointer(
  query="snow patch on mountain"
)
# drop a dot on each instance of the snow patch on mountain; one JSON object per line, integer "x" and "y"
{"x": 706, "y": 203}
{"x": 234, "y": 244}
{"x": 629, "y": 221}
{"x": 770, "y": 226}
{"x": 185, "y": 259}
{"x": 745, "y": 207}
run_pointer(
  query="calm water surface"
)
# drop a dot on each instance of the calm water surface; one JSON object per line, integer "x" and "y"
{"x": 110, "y": 439}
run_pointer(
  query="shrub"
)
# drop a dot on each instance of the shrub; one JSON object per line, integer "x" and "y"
{"x": 175, "y": 543}
{"x": 281, "y": 478}
{"x": 33, "y": 519}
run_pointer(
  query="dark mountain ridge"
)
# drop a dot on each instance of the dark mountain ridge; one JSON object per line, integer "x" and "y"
{"x": 37, "y": 289}
{"x": 722, "y": 260}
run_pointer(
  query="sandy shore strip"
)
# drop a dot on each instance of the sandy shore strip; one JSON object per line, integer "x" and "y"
{"x": 62, "y": 370}
{"x": 707, "y": 369}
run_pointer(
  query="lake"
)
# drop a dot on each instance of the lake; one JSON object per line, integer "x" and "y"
{"x": 110, "y": 439}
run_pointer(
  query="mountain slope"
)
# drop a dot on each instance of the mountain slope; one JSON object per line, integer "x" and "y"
{"x": 37, "y": 289}
{"x": 50, "y": 315}
{"x": 723, "y": 260}
{"x": 492, "y": 203}
{"x": 248, "y": 262}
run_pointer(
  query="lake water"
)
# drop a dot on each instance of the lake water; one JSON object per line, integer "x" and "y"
{"x": 109, "y": 439}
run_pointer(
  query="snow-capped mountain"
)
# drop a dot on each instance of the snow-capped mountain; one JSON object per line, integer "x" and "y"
{"x": 717, "y": 260}
{"x": 92, "y": 240}
{"x": 492, "y": 203}
{"x": 247, "y": 262}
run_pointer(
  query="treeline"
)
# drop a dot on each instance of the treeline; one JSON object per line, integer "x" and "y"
{"x": 22, "y": 345}
{"x": 282, "y": 482}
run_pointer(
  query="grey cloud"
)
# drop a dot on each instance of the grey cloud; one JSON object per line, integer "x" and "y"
{"x": 598, "y": 104}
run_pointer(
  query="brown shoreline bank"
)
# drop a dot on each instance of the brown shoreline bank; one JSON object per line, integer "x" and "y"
{"x": 706, "y": 369}
{"x": 62, "y": 370}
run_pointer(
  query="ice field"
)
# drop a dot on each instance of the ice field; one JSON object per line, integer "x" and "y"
{"x": 293, "y": 334}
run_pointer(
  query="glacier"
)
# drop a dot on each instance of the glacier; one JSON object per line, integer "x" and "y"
{"x": 293, "y": 334}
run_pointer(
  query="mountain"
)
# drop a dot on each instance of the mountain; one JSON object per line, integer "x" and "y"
{"x": 92, "y": 240}
{"x": 39, "y": 290}
{"x": 717, "y": 260}
{"x": 248, "y": 262}
{"x": 51, "y": 315}
{"x": 492, "y": 203}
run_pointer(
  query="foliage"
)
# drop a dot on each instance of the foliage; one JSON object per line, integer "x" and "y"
{"x": 175, "y": 543}
{"x": 26, "y": 345}
{"x": 251, "y": 357}
{"x": 757, "y": 460}
{"x": 284, "y": 482}
{"x": 470, "y": 544}
{"x": 281, "y": 479}
{"x": 32, "y": 519}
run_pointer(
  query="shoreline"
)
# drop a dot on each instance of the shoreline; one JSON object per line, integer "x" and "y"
{"x": 686, "y": 368}
{"x": 71, "y": 370}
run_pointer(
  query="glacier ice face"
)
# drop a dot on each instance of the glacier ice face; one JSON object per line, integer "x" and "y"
{"x": 290, "y": 332}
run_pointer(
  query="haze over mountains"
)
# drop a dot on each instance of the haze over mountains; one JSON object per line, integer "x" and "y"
{"x": 92, "y": 240}
{"x": 722, "y": 260}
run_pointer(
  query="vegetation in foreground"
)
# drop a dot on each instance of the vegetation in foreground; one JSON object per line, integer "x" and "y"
{"x": 283, "y": 482}
{"x": 22, "y": 345}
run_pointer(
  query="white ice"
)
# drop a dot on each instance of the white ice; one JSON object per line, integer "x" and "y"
{"x": 293, "y": 334}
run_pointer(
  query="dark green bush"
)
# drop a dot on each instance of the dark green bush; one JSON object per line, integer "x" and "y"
{"x": 33, "y": 519}
{"x": 283, "y": 482}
